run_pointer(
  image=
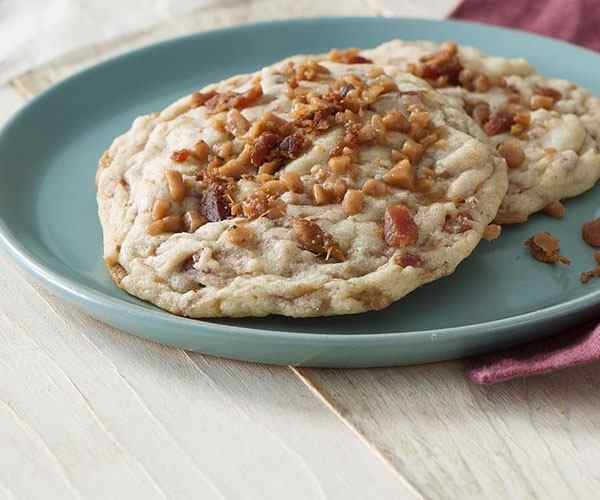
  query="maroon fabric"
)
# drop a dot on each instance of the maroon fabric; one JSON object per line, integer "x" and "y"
{"x": 575, "y": 21}
{"x": 576, "y": 347}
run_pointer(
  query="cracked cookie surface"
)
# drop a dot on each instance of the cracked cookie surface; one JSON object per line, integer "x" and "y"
{"x": 305, "y": 189}
{"x": 547, "y": 129}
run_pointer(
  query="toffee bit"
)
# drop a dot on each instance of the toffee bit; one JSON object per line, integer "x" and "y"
{"x": 546, "y": 248}
{"x": 311, "y": 237}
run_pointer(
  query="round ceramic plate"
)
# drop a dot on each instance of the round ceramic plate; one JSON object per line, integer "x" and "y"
{"x": 48, "y": 222}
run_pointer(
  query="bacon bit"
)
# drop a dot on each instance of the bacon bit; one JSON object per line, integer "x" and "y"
{"x": 409, "y": 260}
{"x": 546, "y": 248}
{"x": 399, "y": 227}
{"x": 500, "y": 122}
{"x": 555, "y": 209}
{"x": 217, "y": 103}
{"x": 216, "y": 203}
{"x": 271, "y": 147}
{"x": 200, "y": 98}
{"x": 548, "y": 92}
{"x": 181, "y": 155}
{"x": 348, "y": 56}
{"x": 441, "y": 68}
{"x": 292, "y": 145}
{"x": 265, "y": 144}
{"x": 312, "y": 238}
{"x": 457, "y": 225}
{"x": 590, "y": 232}
{"x": 248, "y": 98}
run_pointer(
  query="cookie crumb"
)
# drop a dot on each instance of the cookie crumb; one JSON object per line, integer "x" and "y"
{"x": 492, "y": 232}
{"x": 555, "y": 209}
{"x": 546, "y": 248}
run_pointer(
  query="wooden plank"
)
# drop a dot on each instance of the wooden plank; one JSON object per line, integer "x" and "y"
{"x": 98, "y": 413}
{"x": 88, "y": 411}
{"x": 535, "y": 438}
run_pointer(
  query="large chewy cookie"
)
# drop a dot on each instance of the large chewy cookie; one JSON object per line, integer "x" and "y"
{"x": 305, "y": 189}
{"x": 547, "y": 129}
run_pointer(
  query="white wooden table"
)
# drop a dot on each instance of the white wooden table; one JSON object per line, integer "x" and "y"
{"x": 87, "y": 411}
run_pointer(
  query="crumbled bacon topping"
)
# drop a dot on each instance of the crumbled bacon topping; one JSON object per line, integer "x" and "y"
{"x": 271, "y": 147}
{"x": 399, "y": 227}
{"x": 218, "y": 102}
{"x": 181, "y": 155}
{"x": 499, "y": 123}
{"x": 264, "y": 146}
{"x": 409, "y": 260}
{"x": 348, "y": 56}
{"x": 441, "y": 69}
{"x": 216, "y": 202}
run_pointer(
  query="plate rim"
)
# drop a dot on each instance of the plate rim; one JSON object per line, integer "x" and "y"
{"x": 77, "y": 291}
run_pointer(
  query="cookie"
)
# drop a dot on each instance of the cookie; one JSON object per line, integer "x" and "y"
{"x": 306, "y": 189}
{"x": 547, "y": 129}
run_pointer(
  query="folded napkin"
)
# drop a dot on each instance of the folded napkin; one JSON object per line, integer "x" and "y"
{"x": 575, "y": 21}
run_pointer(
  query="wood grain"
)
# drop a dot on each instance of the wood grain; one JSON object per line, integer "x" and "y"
{"x": 93, "y": 412}
{"x": 89, "y": 411}
{"x": 535, "y": 438}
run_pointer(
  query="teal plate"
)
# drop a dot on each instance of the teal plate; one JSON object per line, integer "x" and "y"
{"x": 48, "y": 223}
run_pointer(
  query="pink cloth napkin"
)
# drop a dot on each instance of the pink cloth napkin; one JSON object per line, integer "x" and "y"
{"x": 575, "y": 21}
